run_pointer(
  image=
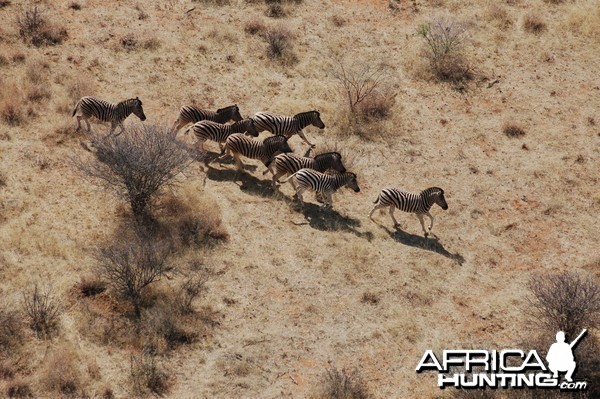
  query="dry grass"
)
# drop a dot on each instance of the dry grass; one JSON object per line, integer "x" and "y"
{"x": 60, "y": 372}
{"x": 42, "y": 309}
{"x": 512, "y": 129}
{"x": 343, "y": 384}
{"x": 37, "y": 30}
{"x": 533, "y": 23}
{"x": 19, "y": 388}
{"x": 280, "y": 47}
{"x": 147, "y": 375}
{"x": 91, "y": 285}
{"x": 11, "y": 330}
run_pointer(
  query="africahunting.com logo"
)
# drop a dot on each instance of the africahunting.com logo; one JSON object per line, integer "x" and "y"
{"x": 509, "y": 368}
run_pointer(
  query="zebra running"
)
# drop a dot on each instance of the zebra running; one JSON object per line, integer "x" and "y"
{"x": 239, "y": 144}
{"x": 191, "y": 114}
{"x": 287, "y": 164}
{"x": 410, "y": 202}
{"x": 309, "y": 179}
{"x": 209, "y": 130}
{"x": 89, "y": 106}
{"x": 287, "y": 126}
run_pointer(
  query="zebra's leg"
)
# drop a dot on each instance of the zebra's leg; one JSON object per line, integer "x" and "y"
{"x": 89, "y": 127}
{"x": 120, "y": 124}
{"x": 420, "y": 216}
{"x": 276, "y": 179}
{"x": 238, "y": 162}
{"x": 430, "y": 221}
{"x": 221, "y": 147}
{"x": 303, "y": 137}
{"x": 392, "y": 209}
{"x": 378, "y": 206}
{"x": 78, "y": 123}
{"x": 328, "y": 200}
{"x": 299, "y": 192}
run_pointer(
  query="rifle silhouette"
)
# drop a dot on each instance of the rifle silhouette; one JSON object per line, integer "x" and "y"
{"x": 574, "y": 342}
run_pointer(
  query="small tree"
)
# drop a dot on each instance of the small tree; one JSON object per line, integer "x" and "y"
{"x": 138, "y": 164}
{"x": 366, "y": 87}
{"x": 130, "y": 267}
{"x": 565, "y": 302}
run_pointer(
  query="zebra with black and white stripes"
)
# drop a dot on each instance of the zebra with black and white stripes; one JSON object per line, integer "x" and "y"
{"x": 322, "y": 183}
{"x": 104, "y": 111}
{"x": 209, "y": 130}
{"x": 287, "y": 164}
{"x": 420, "y": 203}
{"x": 191, "y": 114}
{"x": 264, "y": 150}
{"x": 287, "y": 126}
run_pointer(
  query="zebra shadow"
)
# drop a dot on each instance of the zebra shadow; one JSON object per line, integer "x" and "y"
{"x": 247, "y": 183}
{"x": 327, "y": 219}
{"x": 430, "y": 244}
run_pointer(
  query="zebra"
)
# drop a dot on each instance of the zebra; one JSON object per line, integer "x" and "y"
{"x": 309, "y": 179}
{"x": 209, "y": 130}
{"x": 287, "y": 126}
{"x": 239, "y": 144}
{"x": 191, "y": 114}
{"x": 410, "y": 202}
{"x": 287, "y": 164}
{"x": 89, "y": 106}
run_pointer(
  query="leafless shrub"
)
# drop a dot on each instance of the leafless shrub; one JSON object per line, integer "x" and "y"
{"x": 43, "y": 311}
{"x": 280, "y": 46}
{"x": 367, "y": 89}
{"x": 148, "y": 376}
{"x": 255, "y": 27}
{"x": 151, "y": 44}
{"x": 564, "y": 302}
{"x": 129, "y": 42}
{"x": 344, "y": 385}
{"x": 166, "y": 323}
{"x": 91, "y": 285}
{"x": 138, "y": 164}
{"x": 370, "y": 298}
{"x": 512, "y": 129}
{"x": 11, "y": 111}
{"x": 18, "y": 388}
{"x": 61, "y": 373}
{"x": 534, "y": 24}
{"x": 11, "y": 330}
{"x": 130, "y": 267}
{"x": 35, "y": 29}
{"x": 75, "y": 6}
{"x": 37, "y": 93}
{"x": 276, "y": 11}
{"x": 445, "y": 50}
{"x": 189, "y": 290}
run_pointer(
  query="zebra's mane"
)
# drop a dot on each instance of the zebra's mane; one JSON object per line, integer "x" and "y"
{"x": 226, "y": 108}
{"x": 130, "y": 100}
{"x": 274, "y": 139}
{"x": 327, "y": 154}
{"x": 434, "y": 190}
{"x": 306, "y": 113}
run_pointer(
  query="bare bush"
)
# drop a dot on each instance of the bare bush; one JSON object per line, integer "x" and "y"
{"x": 344, "y": 385}
{"x": 35, "y": 29}
{"x": 18, "y": 388}
{"x": 43, "y": 311}
{"x": 5, "y": 3}
{"x": 137, "y": 164}
{"x": 61, "y": 373}
{"x": 564, "y": 302}
{"x": 189, "y": 290}
{"x": 445, "y": 42}
{"x": 148, "y": 376}
{"x": 130, "y": 267}
{"x": 276, "y": 11}
{"x": 129, "y": 42}
{"x": 280, "y": 46}
{"x": 11, "y": 330}
{"x": 165, "y": 323}
{"x": 367, "y": 89}
{"x": 75, "y": 6}
{"x": 255, "y": 27}
{"x": 512, "y": 129}
{"x": 91, "y": 285}
{"x": 533, "y": 23}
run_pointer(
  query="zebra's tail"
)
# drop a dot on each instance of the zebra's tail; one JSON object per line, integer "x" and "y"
{"x": 75, "y": 109}
{"x": 287, "y": 178}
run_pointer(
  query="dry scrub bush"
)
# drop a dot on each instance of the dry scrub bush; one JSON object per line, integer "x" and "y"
{"x": 43, "y": 311}
{"x": 255, "y": 27}
{"x": 344, "y": 385}
{"x": 512, "y": 129}
{"x": 499, "y": 16}
{"x": 5, "y": 3}
{"x": 128, "y": 42}
{"x": 11, "y": 330}
{"x": 148, "y": 376}
{"x": 129, "y": 267}
{"x": 165, "y": 326}
{"x": 533, "y": 23}
{"x": 75, "y": 6}
{"x": 367, "y": 89}
{"x": 280, "y": 46}
{"x": 276, "y": 11}
{"x": 36, "y": 30}
{"x": 91, "y": 285}
{"x": 445, "y": 50}
{"x": 61, "y": 374}
{"x": 18, "y": 388}
{"x": 564, "y": 302}
{"x": 584, "y": 20}
{"x": 138, "y": 164}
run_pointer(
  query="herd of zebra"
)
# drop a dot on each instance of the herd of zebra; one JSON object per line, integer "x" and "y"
{"x": 324, "y": 173}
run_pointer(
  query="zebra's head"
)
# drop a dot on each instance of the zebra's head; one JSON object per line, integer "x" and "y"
{"x": 316, "y": 121}
{"x": 438, "y": 197}
{"x": 352, "y": 182}
{"x": 137, "y": 108}
{"x": 332, "y": 160}
{"x": 277, "y": 144}
{"x": 250, "y": 128}
{"x": 232, "y": 112}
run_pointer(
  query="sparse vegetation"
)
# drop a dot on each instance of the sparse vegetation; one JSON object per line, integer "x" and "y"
{"x": 564, "y": 302}
{"x": 280, "y": 46}
{"x": 75, "y": 6}
{"x": 344, "y": 384}
{"x": 255, "y": 27}
{"x": 43, "y": 310}
{"x": 18, "y": 388}
{"x": 11, "y": 330}
{"x": 148, "y": 376}
{"x": 139, "y": 163}
{"x": 35, "y": 29}
{"x": 61, "y": 373}
{"x": 91, "y": 285}
{"x": 512, "y": 129}
{"x": 276, "y": 11}
{"x": 445, "y": 41}
{"x": 533, "y": 23}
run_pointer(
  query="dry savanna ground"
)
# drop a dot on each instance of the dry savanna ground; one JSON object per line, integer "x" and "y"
{"x": 510, "y": 131}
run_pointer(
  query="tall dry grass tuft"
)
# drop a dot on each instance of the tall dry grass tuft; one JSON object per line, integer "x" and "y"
{"x": 533, "y": 23}
{"x": 11, "y": 330}
{"x": 338, "y": 384}
{"x": 280, "y": 46}
{"x": 148, "y": 376}
{"x": 43, "y": 310}
{"x": 61, "y": 373}
{"x": 37, "y": 30}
